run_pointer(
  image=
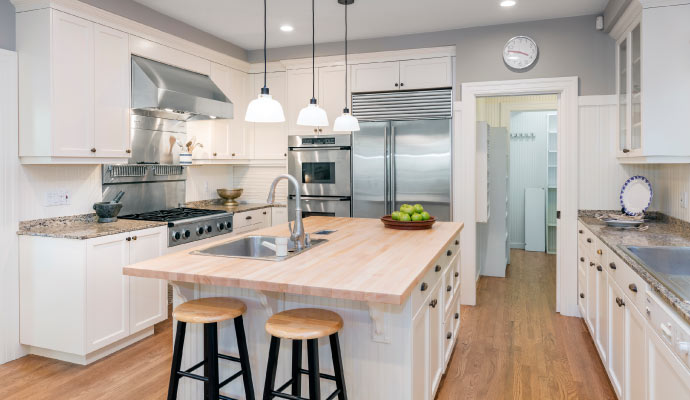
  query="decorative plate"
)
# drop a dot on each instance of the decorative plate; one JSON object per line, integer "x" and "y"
{"x": 390, "y": 223}
{"x": 636, "y": 195}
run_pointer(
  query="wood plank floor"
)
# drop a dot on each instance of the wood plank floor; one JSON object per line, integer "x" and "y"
{"x": 513, "y": 345}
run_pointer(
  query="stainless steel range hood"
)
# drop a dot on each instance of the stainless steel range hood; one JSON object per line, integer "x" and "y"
{"x": 164, "y": 91}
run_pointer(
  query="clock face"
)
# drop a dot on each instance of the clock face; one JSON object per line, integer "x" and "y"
{"x": 520, "y": 52}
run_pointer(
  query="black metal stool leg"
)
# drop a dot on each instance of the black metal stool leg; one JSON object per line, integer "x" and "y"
{"x": 313, "y": 360}
{"x": 177, "y": 360}
{"x": 296, "y": 368}
{"x": 271, "y": 368}
{"x": 211, "y": 367}
{"x": 338, "y": 366}
{"x": 244, "y": 359}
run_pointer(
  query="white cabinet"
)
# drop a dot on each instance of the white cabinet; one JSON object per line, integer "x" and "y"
{"x": 148, "y": 298}
{"x": 270, "y": 139}
{"x": 420, "y": 355}
{"x": 425, "y": 73}
{"x": 299, "y": 92}
{"x": 592, "y": 302}
{"x": 74, "y": 89}
{"x": 602, "y": 328}
{"x": 436, "y": 337}
{"x": 246, "y": 221}
{"x": 330, "y": 94}
{"x": 333, "y": 95}
{"x": 635, "y": 355}
{"x": 667, "y": 377}
{"x": 616, "y": 362}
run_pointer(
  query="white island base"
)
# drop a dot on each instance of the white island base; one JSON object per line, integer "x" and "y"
{"x": 389, "y": 352}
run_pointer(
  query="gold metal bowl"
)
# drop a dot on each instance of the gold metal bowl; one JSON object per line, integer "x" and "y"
{"x": 230, "y": 195}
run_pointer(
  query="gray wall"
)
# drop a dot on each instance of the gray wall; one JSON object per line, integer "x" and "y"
{"x": 567, "y": 46}
{"x": 7, "y": 36}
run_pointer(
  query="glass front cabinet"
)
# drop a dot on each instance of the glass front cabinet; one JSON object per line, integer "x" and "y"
{"x": 629, "y": 92}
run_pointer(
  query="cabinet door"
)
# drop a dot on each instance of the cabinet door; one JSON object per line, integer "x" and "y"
{"x": 582, "y": 295}
{"x": 111, "y": 92}
{"x": 623, "y": 99}
{"x": 239, "y": 130}
{"x": 219, "y": 131}
{"x": 635, "y": 355}
{"x": 375, "y": 77}
{"x": 436, "y": 338}
{"x": 420, "y": 354}
{"x": 426, "y": 73}
{"x": 667, "y": 377}
{"x": 333, "y": 96}
{"x": 617, "y": 338}
{"x": 107, "y": 291}
{"x": 73, "y": 86}
{"x": 592, "y": 302}
{"x": 148, "y": 298}
{"x": 299, "y": 92}
{"x": 270, "y": 139}
{"x": 602, "y": 337}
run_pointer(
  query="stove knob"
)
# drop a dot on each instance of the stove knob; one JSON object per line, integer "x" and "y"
{"x": 187, "y": 233}
{"x": 209, "y": 229}
{"x": 221, "y": 226}
{"x": 228, "y": 225}
{"x": 200, "y": 230}
{"x": 176, "y": 236}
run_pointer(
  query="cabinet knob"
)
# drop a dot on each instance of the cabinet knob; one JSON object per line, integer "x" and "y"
{"x": 215, "y": 154}
{"x": 612, "y": 265}
{"x": 320, "y": 130}
{"x": 396, "y": 85}
{"x": 600, "y": 252}
{"x": 264, "y": 212}
{"x": 620, "y": 302}
{"x": 591, "y": 264}
{"x": 457, "y": 242}
{"x": 449, "y": 288}
{"x": 582, "y": 295}
{"x": 632, "y": 287}
{"x": 402, "y": 84}
{"x": 285, "y": 155}
{"x": 128, "y": 151}
{"x": 457, "y": 315}
{"x": 437, "y": 268}
{"x": 128, "y": 239}
{"x": 248, "y": 217}
{"x": 581, "y": 231}
{"x": 589, "y": 240}
{"x": 433, "y": 303}
{"x": 626, "y": 150}
{"x": 93, "y": 150}
{"x": 233, "y": 154}
{"x": 599, "y": 268}
{"x": 582, "y": 259}
{"x": 134, "y": 238}
{"x": 449, "y": 253}
{"x": 457, "y": 274}
{"x": 449, "y": 335}
{"x": 424, "y": 286}
{"x": 315, "y": 130}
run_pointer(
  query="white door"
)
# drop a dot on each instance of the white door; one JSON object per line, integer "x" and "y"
{"x": 73, "y": 86}
{"x": 375, "y": 77}
{"x": 333, "y": 95}
{"x": 635, "y": 355}
{"x": 617, "y": 338}
{"x": 270, "y": 139}
{"x": 299, "y": 92}
{"x": 666, "y": 375}
{"x": 427, "y": 73}
{"x": 148, "y": 298}
{"x": 107, "y": 290}
{"x": 218, "y": 146}
{"x": 436, "y": 338}
{"x": 239, "y": 130}
{"x": 420, "y": 355}
{"x": 111, "y": 92}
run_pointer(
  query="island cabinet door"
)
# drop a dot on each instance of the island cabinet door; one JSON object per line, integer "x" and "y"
{"x": 436, "y": 337}
{"x": 148, "y": 298}
{"x": 420, "y": 354}
{"x": 107, "y": 291}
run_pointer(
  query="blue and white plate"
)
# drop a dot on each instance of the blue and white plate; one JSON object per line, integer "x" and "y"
{"x": 636, "y": 195}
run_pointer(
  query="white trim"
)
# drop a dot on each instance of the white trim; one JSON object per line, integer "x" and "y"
{"x": 630, "y": 16}
{"x": 653, "y": 159}
{"x": 599, "y": 100}
{"x": 662, "y": 3}
{"x": 567, "y": 89}
{"x": 365, "y": 58}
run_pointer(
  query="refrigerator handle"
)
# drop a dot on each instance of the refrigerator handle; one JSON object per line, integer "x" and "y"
{"x": 391, "y": 170}
{"x": 386, "y": 177}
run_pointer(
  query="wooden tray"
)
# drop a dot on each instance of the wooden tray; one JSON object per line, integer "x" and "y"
{"x": 390, "y": 223}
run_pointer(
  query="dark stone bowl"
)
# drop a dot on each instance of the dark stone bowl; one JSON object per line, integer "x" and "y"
{"x": 106, "y": 211}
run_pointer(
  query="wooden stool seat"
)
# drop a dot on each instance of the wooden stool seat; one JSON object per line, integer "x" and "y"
{"x": 304, "y": 324}
{"x": 209, "y": 310}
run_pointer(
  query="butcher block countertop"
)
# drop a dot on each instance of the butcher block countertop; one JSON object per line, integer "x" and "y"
{"x": 361, "y": 261}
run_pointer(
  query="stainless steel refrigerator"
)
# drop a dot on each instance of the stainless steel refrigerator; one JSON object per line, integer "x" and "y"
{"x": 397, "y": 162}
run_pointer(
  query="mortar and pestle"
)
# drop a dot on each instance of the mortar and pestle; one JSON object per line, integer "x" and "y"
{"x": 107, "y": 210}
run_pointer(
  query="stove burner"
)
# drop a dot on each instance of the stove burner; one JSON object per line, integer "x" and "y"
{"x": 173, "y": 214}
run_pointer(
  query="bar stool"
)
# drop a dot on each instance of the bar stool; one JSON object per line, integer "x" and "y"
{"x": 308, "y": 324}
{"x": 209, "y": 311}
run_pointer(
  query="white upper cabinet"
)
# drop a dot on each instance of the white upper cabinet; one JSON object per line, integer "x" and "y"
{"x": 74, "y": 89}
{"x": 332, "y": 94}
{"x": 270, "y": 139}
{"x": 299, "y": 92}
{"x": 424, "y": 73}
{"x": 652, "y": 64}
{"x": 376, "y": 77}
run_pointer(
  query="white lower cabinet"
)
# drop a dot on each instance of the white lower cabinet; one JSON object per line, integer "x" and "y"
{"x": 616, "y": 362}
{"x": 148, "y": 298}
{"x": 635, "y": 360}
{"x": 666, "y": 375}
{"x": 436, "y": 337}
{"x": 420, "y": 355}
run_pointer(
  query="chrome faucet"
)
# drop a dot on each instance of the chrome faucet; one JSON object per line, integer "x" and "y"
{"x": 297, "y": 228}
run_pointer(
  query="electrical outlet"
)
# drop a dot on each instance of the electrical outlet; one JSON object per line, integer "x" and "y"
{"x": 684, "y": 200}
{"x": 60, "y": 197}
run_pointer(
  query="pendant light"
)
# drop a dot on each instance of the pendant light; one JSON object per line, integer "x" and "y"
{"x": 264, "y": 108}
{"x": 346, "y": 122}
{"x": 312, "y": 115}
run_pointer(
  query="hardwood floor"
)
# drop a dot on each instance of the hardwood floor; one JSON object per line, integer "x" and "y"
{"x": 512, "y": 345}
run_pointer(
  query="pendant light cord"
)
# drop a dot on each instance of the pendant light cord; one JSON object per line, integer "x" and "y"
{"x": 265, "y": 62}
{"x": 313, "y": 52}
{"x": 346, "y": 55}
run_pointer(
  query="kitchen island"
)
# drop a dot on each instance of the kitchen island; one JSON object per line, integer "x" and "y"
{"x": 397, "y": 292}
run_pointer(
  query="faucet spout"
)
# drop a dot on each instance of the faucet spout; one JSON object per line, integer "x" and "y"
{"x": 297, "y": 234}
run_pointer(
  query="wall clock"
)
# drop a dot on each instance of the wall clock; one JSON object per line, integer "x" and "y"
{"x": 520, "y": 53}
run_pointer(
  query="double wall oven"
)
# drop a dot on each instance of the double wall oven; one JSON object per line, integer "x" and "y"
{"x": 322, "y": 166}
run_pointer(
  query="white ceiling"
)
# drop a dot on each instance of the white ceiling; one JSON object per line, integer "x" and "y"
{"x": 241, "y": 21}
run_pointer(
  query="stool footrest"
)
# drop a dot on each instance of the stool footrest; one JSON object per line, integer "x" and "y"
{"x": 230, "y": 379}
{"x": 221, "y": 397}
{"x": 321, "y": 374}
{"x": 229, "y": 358}
{"x": 193, "y": 376}
{"x": 285, "y": 386}
{"x": 195, "y": 366}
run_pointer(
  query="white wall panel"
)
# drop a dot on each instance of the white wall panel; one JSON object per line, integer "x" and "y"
{"x": 671, "y": 181}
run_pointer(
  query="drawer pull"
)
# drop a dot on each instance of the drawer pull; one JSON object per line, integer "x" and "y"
{"x": 449, "y": 253}
{"x": 457, "y": 274}
{"x": 620, "y": 302}
{"x": 581, "y": 231}
{"x": 589, "y": 240}
{"x": 449, "y": 288}
{"x": 134, "y": 238}
{"x": 666, "y": 330}
{"x": 591, "y": 264}
{"x": 264, "y": 212}
{"x": 449, "y": 335}
{"x": 128, "y": 239}
{"x": 457, "y": 242}
{"x": 457, "y": 315}
{"x": 612, "y": 265}
{"x": 437, "y": 268}
{"x": 599, "y": 268}
{"x": 93, "y": 150}
{"x": 600, "y": 252}
{"x": 248, "y": 217}
{"x": 424, "y": 286}
{"x": 582, "y": 295}
{"x": 433, "y": 303}
{"x": 632, "y": 287}
{"x": 582, "y": 259}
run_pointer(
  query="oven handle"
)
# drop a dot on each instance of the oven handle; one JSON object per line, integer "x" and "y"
{"x": 318, "y": 148}
{"x": 292, "y": 197}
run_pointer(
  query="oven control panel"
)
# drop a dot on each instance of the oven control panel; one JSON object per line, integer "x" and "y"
{"x": 183, "y": 232}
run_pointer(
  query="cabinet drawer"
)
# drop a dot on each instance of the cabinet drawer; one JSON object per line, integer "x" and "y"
{"x": 448, "y": 337}
{"x": 248, "y": 218}
{"x": 582, "y": 290}
{"x": 448, "y": 285}
{"x": 629, "y": 281}
{"x": 422, "y": 289}
{"x": 455, "y": 266}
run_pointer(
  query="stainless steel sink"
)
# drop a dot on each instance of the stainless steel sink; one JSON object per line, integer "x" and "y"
{"x": 250, "y": 247}
{"x": 669, "y": 264}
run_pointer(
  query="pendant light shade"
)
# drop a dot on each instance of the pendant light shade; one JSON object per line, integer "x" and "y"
{"x": 346, "y": 122}
{"x": 264, "y": 108}
{"x": 312, "y": 115}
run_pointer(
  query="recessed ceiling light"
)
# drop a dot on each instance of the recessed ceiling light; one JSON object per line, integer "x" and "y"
{"x": 287, "y": 28}
{"x": 507, "y": 3}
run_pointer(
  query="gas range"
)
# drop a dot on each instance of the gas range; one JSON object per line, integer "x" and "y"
{"x": 187, "y": 225}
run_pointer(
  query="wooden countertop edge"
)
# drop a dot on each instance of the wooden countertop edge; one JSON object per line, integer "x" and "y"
{"x": 345, "y": 294}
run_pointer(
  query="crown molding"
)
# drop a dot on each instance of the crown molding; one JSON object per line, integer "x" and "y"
{"x": 363, "y": 58}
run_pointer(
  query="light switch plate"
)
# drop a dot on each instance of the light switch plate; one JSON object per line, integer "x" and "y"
{"x": 60, "y": 197}
{"x": 684, "y": 200}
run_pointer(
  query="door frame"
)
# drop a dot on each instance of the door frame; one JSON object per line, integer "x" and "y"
{"x": 567, "y": 180}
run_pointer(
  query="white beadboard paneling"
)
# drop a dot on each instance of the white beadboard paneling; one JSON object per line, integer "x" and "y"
{"x": 10, "y": 348}
{"x": 257, "y": 180}
{"x": 204, "y": 180}
{"x": 671, "y": 181}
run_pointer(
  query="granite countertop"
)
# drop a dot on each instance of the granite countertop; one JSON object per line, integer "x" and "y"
{"x": 81, "y": 227}
{"x": 217, "y": 204}
{"x": 664, "y": 231}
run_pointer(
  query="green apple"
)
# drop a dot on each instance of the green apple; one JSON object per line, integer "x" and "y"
{"x": 396, "y": 215}
{"x": 418, "y": 208}
{"x": 417, "y": 217}
{"x": 405, "y": 217}
{"x": 425, "y": 216}
{"x": 407, "y": 209}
